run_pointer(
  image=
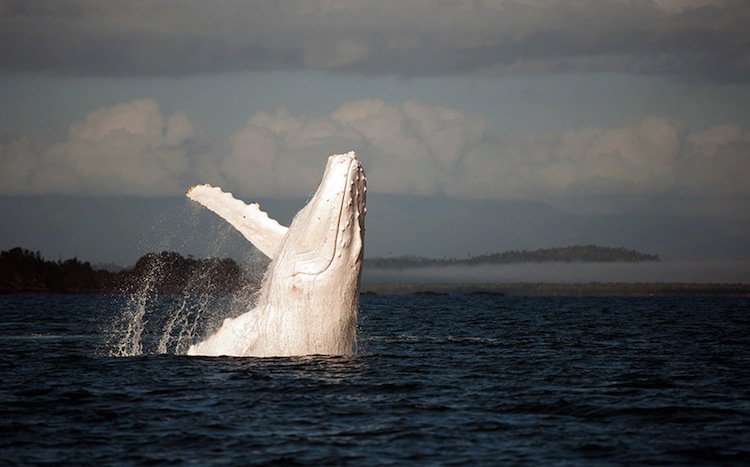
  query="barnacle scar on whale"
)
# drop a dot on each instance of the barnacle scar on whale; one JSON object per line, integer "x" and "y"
{"x": 309, "y": 297}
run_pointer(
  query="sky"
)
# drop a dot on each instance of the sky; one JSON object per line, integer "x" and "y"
{"x": 482, "y": 125}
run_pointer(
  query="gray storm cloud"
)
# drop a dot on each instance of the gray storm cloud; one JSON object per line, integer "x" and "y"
{"x": 700, "y": 39}
{"x": 407, "y": 147}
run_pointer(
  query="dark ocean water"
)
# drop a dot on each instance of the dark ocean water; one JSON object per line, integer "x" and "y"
{"x": 437, "y": 380}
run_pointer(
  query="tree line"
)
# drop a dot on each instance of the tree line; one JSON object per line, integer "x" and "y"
{"x": 23, "y": 270}
{"x": 568, "y": 254}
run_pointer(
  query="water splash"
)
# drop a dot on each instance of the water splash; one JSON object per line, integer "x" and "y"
{"x": 150, "y": 322}
{"x": 131, "y": 322}
{"x": 153, "y": 323}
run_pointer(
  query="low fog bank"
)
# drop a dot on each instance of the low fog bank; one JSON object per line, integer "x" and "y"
{"x": 712, "y": 272}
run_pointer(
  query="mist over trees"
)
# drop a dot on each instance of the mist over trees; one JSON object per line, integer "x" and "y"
{"x": 569, "y": 254}
{"x": 24, "y": 270}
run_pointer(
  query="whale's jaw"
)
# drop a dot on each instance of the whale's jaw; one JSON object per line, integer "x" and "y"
{"x": 309, "y": 298}
{"x": 328, "y": 233}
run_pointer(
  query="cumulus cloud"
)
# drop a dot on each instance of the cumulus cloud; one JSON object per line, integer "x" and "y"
{"x": 705, "y": 39}
{"x": 419, "y": 149}
{"x": 407, "y": 148}
{"x": 131, "y": 148}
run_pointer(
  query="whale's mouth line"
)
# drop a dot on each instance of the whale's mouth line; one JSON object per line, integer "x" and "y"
{"x": 348, "y": 180}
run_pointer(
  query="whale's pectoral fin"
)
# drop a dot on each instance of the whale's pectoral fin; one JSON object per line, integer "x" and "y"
{"x": 262, "y": 231}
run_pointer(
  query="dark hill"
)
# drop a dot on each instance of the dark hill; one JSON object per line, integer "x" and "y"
{"x": 22, "y": 270}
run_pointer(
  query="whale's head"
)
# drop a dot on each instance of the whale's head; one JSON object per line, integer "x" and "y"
{"x": 326, "y": 237}
{"x": 315, "y": 276}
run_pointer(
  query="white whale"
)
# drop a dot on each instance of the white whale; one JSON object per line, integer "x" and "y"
{"x": 309, "y": 297}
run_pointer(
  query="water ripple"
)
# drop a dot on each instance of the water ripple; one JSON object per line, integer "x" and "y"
{"x": 437, "y": 380}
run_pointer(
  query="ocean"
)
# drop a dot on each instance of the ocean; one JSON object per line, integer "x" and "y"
{"x": 437, "y": 380}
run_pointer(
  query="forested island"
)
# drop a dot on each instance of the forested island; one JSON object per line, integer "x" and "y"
{"x": 569, "y": 254}
{"x": 23, "y": 270}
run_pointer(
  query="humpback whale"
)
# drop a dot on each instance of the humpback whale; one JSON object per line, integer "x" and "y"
{"x": 308, "y": 299}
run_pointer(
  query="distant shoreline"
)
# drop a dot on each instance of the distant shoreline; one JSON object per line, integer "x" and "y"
{"x": 550, "y": 289}
{"x": 568, "y": 254}
{"x": 26, "y": 272}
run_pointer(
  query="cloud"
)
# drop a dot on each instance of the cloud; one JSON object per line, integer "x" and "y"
{"x": 717, "y": 161}
{"x": 408, "y": 147}
{"x": 419, "y": 149}
{"x": 131, "y": 148}
{"x": 701, "y": 39}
